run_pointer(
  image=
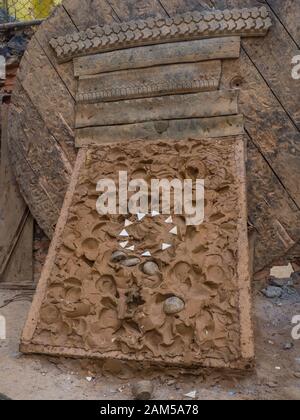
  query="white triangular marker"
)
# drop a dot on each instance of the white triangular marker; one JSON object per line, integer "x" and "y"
{"x": 191, "y": 395}
{"x": 174, "y": 231}
{"x": 123, "y": 244}
{"x": 128, "y": 223}
{"x": 155, "y": 213}
{"x": 124, "y": 233}
{"x": 169, "y": 220}
{"x": 166, "y": 246}
{"x": 141, "y": 216}
{"x": 146, "y": 254}
{"x": 131, "y": 248}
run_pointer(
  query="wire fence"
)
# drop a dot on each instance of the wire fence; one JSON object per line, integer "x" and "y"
{"x": 25, "y": 10}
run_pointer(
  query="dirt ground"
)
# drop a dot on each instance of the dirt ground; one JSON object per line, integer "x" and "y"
{"x": 276, "y": 376}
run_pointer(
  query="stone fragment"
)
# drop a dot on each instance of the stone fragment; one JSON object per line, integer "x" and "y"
{"x": 173, "y": 305}
{"x": 150, "y": 268}
{"x": 142, "y": 390}
{"x": 118, "y": 256}
{"x": 274, "y": 281}
{"x": 288, "y": 346}
{"x": 131, "y": 262}
{"x": 272, "y": 292}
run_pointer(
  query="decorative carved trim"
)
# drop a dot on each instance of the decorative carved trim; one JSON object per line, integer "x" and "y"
{"x": 148, "y": 89}
{"x": 243, "y": 22}
{"x": 154, "y": 81}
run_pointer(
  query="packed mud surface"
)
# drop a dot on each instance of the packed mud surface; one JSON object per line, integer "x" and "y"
{"x": 152, "y": 288}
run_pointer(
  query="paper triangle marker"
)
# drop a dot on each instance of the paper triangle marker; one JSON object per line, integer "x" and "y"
{"x": 166, "y": 246}
{"x": 124, "y": 233}
{"x": 131, "y": 248}
{"x": 123, "y": 244}
{"x": 174, "y": 231}
{"x": 141, "y": 216}
{"x": 155, "y": 213}
{"x": 128, "y": 223}
{"x": 169, "y": 220}
{"x": 146, "y": 254}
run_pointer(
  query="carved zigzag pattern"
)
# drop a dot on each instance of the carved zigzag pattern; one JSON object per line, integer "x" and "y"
{"x": 146, "y": 89}
{"x": 243, "y": 22}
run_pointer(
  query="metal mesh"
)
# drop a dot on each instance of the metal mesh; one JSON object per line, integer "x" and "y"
{"x": 25, "y": 10}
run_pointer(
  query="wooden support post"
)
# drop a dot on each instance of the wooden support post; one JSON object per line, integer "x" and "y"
{"x": 16, "y": 225}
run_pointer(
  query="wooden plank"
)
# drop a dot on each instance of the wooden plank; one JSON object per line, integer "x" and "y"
{"x": 19, "y": 270}
{"x": 272, "y": 56}
{"x": 139, "y": 57}
{"x": 155, "y": 81}
{"x": 288, "y": 11}
{"x": 39, "y": 164}
{"x": 138, "y": 9}
{"x": 16, "y": 223}
{"x": 50, "y": 97}
{"x": 60, "y": 24}
{"x": 89, "y": 13}
{"x": 272, "y": 213}
{"x": 173, "y": 130}
{"x": 197, "y": 105}
{"x": 266, "y": 121}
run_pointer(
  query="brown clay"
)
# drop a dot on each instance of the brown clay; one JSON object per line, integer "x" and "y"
{"x": 89, "y": 305}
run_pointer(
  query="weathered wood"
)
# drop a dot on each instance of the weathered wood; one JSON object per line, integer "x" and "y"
{"x": 197, "y": 105}
{"x": 289, "y": 14}
{"x": 162, "y": 130}
{"x": 269, "y": 126}
{"x": 49, "y": 98}
{"x": 137, "y": 9}
{"x": 16, "y": 223}
{"x": 38, "y": 161}
{"x": 59, "y": 24}
{"x": 272, "y": 213}
{"x": 87, "y": 13}
{"x": 243, "y": 22}
{"x": 149, "y": 56}
{"x": 272, "y": 57}
{"x": 155, "y": 81}
{"x": 19, "y": 269}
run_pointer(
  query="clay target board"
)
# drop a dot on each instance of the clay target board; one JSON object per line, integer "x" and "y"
{"x": 149, "y": 287}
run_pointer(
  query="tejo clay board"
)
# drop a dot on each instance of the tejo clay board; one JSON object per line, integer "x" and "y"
{"x": 97, "y": 299}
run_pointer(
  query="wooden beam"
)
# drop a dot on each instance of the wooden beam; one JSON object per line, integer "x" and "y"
{"x": 155, "y": 81}
{"x": 173, "y": 130}
{"x": 149, "y": 56}
{"x": 196, "y": 105}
